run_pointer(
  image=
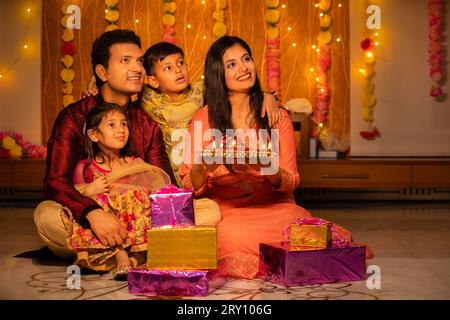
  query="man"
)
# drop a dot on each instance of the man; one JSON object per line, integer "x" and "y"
{"x": 117, "y": 64}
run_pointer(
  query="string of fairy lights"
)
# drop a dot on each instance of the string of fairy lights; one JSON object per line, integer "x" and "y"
{"x": 24, "y": 43}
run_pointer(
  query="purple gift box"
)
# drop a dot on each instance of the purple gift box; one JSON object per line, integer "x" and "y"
{"x": 291, "y": 266}
{"x": 172, "y": 207}
{"x": 174, "y": 282}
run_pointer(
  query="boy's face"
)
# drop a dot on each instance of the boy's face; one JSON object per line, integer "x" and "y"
{"x": 170, "y": 75}
{"x": 125, "y": 72}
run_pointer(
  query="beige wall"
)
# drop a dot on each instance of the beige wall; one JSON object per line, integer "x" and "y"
{"x": 20, "y": 89}
{"x": 410, "y": 121}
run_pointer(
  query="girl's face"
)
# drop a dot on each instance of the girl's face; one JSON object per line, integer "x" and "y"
{"x": 240, "y": 70}
{"x": 112, "y": 132}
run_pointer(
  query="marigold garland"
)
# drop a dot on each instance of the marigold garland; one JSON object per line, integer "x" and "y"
{"x": 435, "y": 9}
{"x": 168, "y": 21}
{"x": 68, "y": 50}
{"x": 12, "y": 145}
{"x": 368, "y": 100}
{"x": 320, "y": 113}
{"x": 273, "y": 70}
{"x": 220, "y": 28}
{"x": 112, "y": 14}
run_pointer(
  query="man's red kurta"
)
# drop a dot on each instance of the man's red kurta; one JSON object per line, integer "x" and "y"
{"x": 65, "y": 149}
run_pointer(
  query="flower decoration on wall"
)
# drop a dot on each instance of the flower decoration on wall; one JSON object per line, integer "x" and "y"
{"x": 168, "y": 21}
{"x": 435, "y": 9}
{"x": 112, "y": 14}
{"x": 12, "y": 145}
{"x": 319, "y": 116}
{"x": 67, "y": 50}
{"x": 369, "y": 45}
{"x": 273, "y": 70}
{"x": 220, "y": 28}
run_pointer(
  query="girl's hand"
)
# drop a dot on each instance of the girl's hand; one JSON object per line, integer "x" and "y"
{"x": 99, "y": 185}
{"x": 270, "y": 107}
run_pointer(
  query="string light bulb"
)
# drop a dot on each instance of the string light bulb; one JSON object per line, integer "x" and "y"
{"x": 1, "y": 76}
{"x": 340, "y": 5}
{"x": 137, "y": 20}
{"x": 25, "y": 46}
{"x": 338, "y": 39}
{"x": 289, "y": 28}
{"x": 189, "y": 26}
{"x": 294, "y": 44}
{"x": 283, "y": 6}
{"x": 314, "y": 46}
{"x": 203, "y": 2}
{"x": 106, "y": 10}
{"x": 316, "y": 5}
{"x": 28, "y": 10}
{"x": 311, "y": 69}
{"x": 362, "y": 71}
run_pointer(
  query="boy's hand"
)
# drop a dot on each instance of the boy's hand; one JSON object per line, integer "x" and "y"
{"x": 90, "y": 92}
{"x": 99, "y": 185}
{"x": 270, "y": 107}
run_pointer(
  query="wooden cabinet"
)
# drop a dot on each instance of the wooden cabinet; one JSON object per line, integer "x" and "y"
{"x": 375, "y": 173}
{"x": 21, "y": 179}
{"x": 22, "y": 173}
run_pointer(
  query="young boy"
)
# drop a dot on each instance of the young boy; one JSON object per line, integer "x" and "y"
{"x": 169, "y": 98}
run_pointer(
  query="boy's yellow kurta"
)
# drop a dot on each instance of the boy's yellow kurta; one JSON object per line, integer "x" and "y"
{"x": 173, "y": 115}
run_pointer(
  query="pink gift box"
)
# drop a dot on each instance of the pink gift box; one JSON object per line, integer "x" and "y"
{"x": 292, "y": 266}
{"x": 172, "y": 207}
{"x": 174, "y": 282}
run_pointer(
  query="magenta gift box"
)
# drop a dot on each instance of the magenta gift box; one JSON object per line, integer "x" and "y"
{"x": 288, "y": 266}
{"x": 174, "y": 282}
{"x": 172, "y": 207}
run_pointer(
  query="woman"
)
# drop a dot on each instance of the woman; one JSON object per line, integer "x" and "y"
{"x": 255, "y": 207}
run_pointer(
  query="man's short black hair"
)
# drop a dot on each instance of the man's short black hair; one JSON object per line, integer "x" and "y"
{"x": 158, "y": 52}
{"x": 100, "y": 53}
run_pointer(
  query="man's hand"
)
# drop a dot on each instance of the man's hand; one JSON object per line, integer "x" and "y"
{"x": 107, "y": 228}
{"x": 270, "y": 107}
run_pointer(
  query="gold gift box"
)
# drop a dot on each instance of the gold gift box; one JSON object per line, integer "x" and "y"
{"x": 310, "y": 236}
{"x": 182, "y": 248}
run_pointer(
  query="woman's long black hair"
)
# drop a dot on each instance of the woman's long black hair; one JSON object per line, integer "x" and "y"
{"x": 216, "y": 91}
{"x": 93, "y": 120}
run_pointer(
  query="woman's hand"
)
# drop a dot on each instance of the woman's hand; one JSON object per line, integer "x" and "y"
{"x": 270, "y": 107}
{"x": 99, "y": 185}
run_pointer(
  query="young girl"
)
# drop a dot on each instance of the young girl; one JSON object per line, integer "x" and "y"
{"x": 120, "y": 183}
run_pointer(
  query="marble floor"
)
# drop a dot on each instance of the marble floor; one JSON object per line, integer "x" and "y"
{"x": 411, "y": 242}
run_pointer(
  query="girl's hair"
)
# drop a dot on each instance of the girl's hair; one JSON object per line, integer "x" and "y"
{"x": 93, "y": 120}
{"x": 216, "y": 91}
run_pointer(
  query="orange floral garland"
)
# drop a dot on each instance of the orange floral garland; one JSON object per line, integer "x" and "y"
{"x": 168, "y": 21}
{"x": 112, "y": 14}
{"x": 68, "y": 50}
{"x": 220, "y": 28}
